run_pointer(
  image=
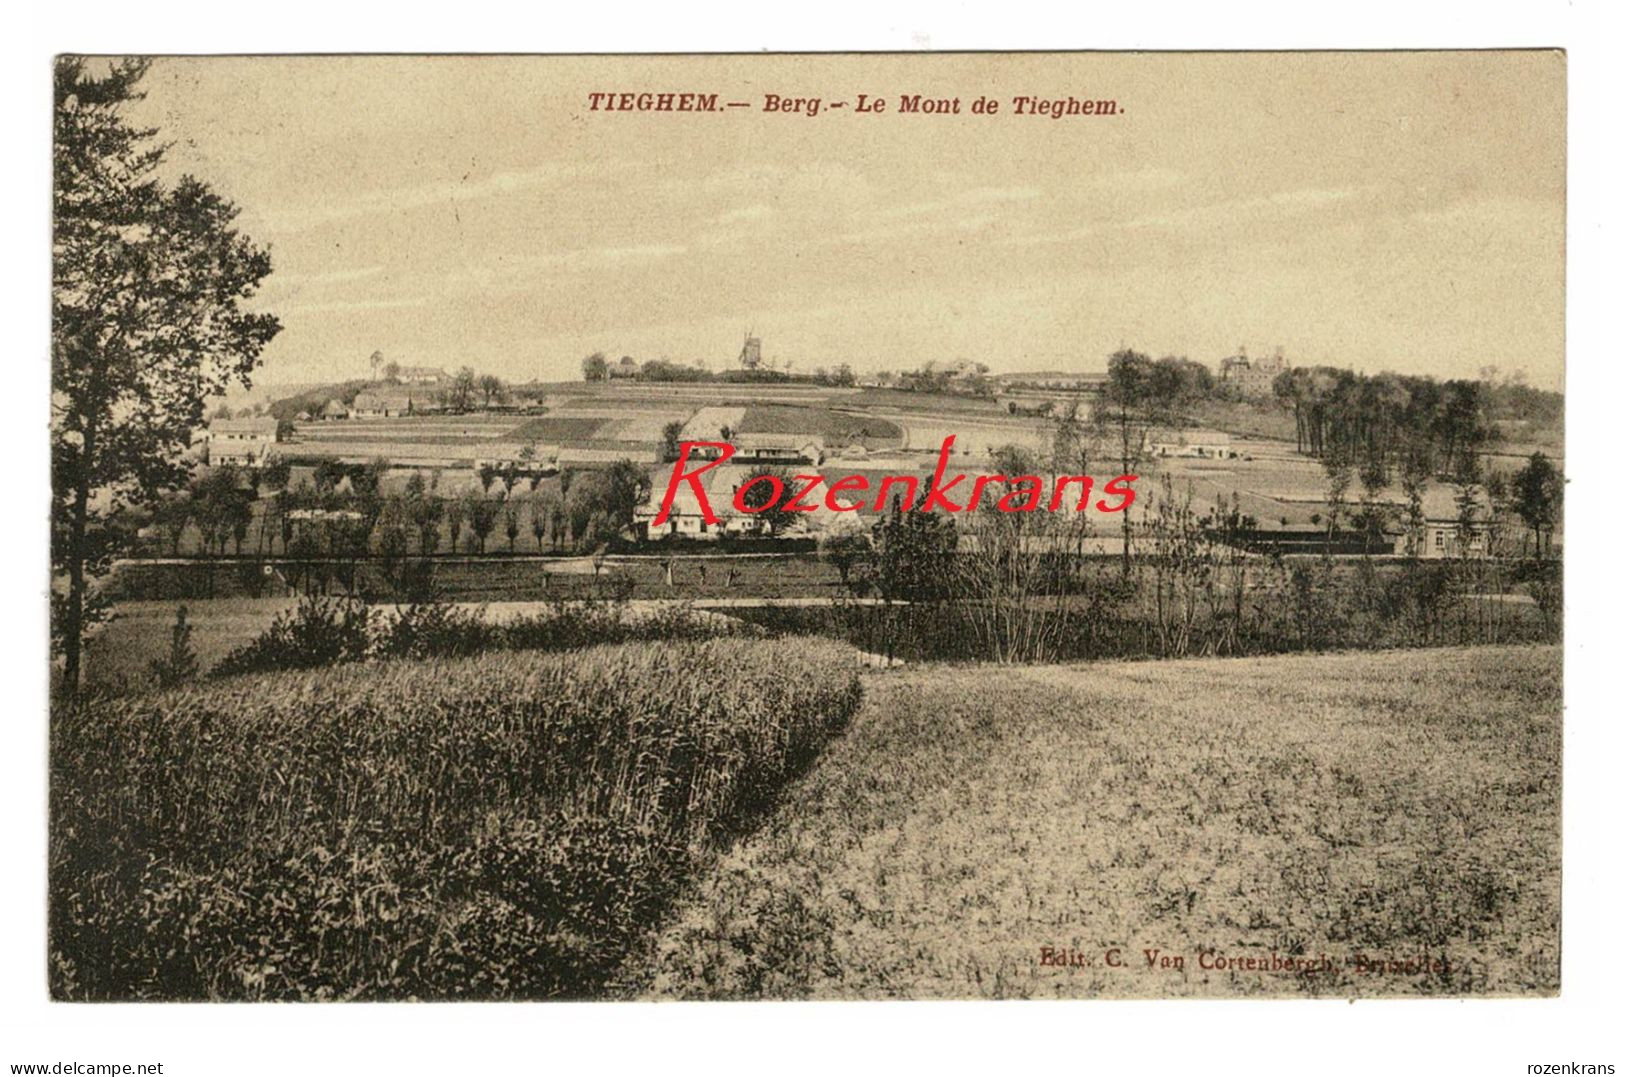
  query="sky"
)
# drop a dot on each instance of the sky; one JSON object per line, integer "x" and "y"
{"x": 1379, "y": 211}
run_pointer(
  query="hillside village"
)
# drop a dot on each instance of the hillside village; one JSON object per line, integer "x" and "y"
{"x": 474, "y": 434}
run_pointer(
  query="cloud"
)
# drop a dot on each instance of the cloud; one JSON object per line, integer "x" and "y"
{"x": 1204, "y": 219}
{"x": 435, "y": 194}
{"x": 975, "y": 196}
{"x": 1141, "y": 180}
{"x": 351, "y": 306}
{"x": 744, "y": 213}
{"x": 296, "y": 281}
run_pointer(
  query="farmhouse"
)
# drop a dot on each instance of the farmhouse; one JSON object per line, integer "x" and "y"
{"x": 778, "y": 449}
{"x": 244, "y": 442}
{"x": 687, "y": 518}
{"x": 1444, "y": 533}
{"x": 627, "y": 368}
{"x": 718, "y": 423}
{"x": 392, "y": 403}
{"x": 334, "y": 409}
{"x": 1194, "y": 444}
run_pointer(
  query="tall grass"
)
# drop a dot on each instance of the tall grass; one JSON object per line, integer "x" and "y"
{"x": 494, "y": 827}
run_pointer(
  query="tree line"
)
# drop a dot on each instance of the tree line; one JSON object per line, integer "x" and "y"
{"x": 344, "y": 509}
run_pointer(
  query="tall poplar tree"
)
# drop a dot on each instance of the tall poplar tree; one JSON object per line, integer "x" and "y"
{"x": 148, "y": 282}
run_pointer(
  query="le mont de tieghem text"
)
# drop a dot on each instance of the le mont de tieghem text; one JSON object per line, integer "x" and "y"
{"x": 908, "y": 104}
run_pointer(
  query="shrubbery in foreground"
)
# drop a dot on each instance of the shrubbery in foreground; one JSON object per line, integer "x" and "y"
{"x": 328, "y": 631}
{"x": 496, "y": 827}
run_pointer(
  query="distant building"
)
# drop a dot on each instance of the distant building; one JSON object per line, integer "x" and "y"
{"x": 541, "y": 460}
{"x": 778, "y": 449}
{"x": 334, "y": 409}
{"x": 1251, "y": 378}
{"x": 750, "y": 356}
{"x": 1069, "y": 381}
{"x": 245, "y": 442}
{"x": 1194, "y": 444}
{"x": 627, "y": 367}
{"x": 421, "y": 375}
{"x": 687, "y": 519}
{"x": 721, "y": 423}
{"x": 393, "y": 403}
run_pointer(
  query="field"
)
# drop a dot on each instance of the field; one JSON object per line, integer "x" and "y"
{"x": 836, "y": 427}
{"x": 504, "y": 826}
{"x": 118, "y": 655}
{"x": 1400, "y": 806}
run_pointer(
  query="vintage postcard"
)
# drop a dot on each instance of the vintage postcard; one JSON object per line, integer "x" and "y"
{"x": 830, "y": 526}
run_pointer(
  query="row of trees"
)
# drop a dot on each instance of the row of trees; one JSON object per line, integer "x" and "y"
{"x": 344, "y": 512}
{"x": 1387, "y": 419}
{"x": 1370, "y": 433}
{"x": 467, "y": 390}
{"x": 596, "y": 367}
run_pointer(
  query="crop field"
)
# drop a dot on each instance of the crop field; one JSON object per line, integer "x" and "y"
{"x": 925, "y": 433}
{"x": 885, "y": 400}
{"x": 1376, "y": 808}
{"x": 552, "y": 429}
{"x": 872, "y": 431}
{"x": 505, "y": 826}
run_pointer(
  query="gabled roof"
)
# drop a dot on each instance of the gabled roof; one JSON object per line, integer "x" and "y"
{"x": 1191, "y": 437}
{"x": 745, "y": 442}
{"x": 370, "y": 401}
{"x": 264, "y": 426}
{"x": 1441, "y": 503}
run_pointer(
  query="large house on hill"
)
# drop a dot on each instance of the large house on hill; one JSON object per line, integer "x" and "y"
{"x": 1252, "y": 379}
{"x": 421, "y": 375}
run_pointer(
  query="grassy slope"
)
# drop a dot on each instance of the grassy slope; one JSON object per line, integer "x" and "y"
{"x": 1397, "y": 804}
{"x": 838, "y": 427}
{"x": 118, "y": 655}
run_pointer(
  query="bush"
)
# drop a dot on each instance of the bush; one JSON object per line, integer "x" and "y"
{"x": 1301, "y": 605}
{"x": 180, "y": 664}
{"x": 498, "y": 827}
{"x": 434, "y": 630}
{"x": 331, "y": 631}
{"x": 320, "y": 632}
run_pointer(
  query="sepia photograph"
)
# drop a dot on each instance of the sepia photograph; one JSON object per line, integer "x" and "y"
{"x": 701, "y": 527}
